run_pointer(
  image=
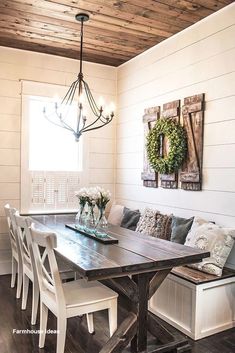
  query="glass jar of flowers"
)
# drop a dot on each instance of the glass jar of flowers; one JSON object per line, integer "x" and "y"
{"x": 101, "y": 202}
{"x": 92, "y": 196}
{"x": 82, "y": 196}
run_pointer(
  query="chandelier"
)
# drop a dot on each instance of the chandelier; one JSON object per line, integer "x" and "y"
{"x": 62, "y": 112}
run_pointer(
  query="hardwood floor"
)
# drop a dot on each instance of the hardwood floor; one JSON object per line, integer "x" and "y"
{"x": 78, "y": 339}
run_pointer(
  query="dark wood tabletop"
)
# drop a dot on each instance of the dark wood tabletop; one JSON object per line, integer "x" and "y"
{"x": 134, "y": 252}
{"x": 136, "y": 266}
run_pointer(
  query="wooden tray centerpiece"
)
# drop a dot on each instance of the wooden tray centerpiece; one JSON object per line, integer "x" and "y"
{"x": 102, "y": 237}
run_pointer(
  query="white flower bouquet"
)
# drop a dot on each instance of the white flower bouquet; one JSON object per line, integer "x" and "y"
{"x": 103, "y": 198}
{"x": 93, "y": 196}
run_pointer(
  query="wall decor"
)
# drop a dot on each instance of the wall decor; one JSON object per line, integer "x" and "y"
{"x": 170, "y": 162}
{"x": 173, "y": 149}
{"x": 149, "y": 176}
{"x": 193, "y": 121}
{"x": 170, "y": 110}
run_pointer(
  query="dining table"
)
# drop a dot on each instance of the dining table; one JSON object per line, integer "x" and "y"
{"x": 135, "y": 265}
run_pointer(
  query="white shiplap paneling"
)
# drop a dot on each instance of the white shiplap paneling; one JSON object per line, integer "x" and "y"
{"x": 199, "y": 59}
{"x": 17, "y": 65}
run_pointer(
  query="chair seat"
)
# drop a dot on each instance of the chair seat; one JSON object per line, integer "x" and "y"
{"x": 80, "y": 292}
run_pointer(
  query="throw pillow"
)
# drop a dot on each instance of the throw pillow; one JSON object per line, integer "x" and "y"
{"x": 198, "y": 221}
{"x": 147, "y": 222}
{"x": 163, "y": 226}
{"x": 115, "y": 215}
{"x": 180, "y": 228}
{"x": 130, "y": 218}
{"x": 219, "y": 241}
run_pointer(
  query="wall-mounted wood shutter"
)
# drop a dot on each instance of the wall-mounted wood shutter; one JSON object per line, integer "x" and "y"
{"x": 149, "y": 176}
{"x": 193, "y": 120}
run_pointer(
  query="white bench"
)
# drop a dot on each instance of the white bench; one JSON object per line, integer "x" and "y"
{"x": 196, "y": 303}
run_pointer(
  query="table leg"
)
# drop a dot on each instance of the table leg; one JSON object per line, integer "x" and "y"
{"x": 139, "y": 289}
{"x": 139, "y": 342}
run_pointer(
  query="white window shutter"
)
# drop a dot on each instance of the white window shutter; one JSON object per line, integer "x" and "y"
{"x": 73, "y": 186}
{"x": 50, "y": 191}
{"x": 54, "y": 191}
{"x": 62, "y": 190}
{"x": 37, "y": 190}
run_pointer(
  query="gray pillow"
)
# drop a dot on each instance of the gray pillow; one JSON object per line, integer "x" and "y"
{"x": 130, "y": 218}
{"x": 180, "y": 228}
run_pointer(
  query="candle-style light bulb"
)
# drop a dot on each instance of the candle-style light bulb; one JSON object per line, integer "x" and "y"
{"x": 101, "y": 103}
{"x": 112, "y": 108}
{"x": 56, "y": 98}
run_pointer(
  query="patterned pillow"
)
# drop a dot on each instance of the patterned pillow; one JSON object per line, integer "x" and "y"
{"x": 219, "y": 241}
{"x": 153, "y": 223}
{"x": 163, "y": 226}
{"x": 147, "y": 222}
{"x": 198, "y": 221}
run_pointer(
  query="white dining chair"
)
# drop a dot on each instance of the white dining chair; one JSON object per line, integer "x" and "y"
{"x": 28, "y": 264}
{"x": 68, "y": 299}
{"x": 15, "y": 249}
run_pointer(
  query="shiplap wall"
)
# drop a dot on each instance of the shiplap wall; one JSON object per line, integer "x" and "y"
{"x": 16, "y": 65}
{"x": 199, "y": 59}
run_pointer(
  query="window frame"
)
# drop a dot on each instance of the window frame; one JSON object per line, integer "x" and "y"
{"x": 40, "y": 89}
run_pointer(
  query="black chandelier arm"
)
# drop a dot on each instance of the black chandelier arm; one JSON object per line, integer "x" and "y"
{"x": 91, "y": 101}
{"x": 95, "y": 128}
{"x": 87, "y": 128}
{"x": 99, "y": 116}
{"x": 91, "y": 124}
{"x": 68, "y": 98}
{"x": 88, "y": 91}
{"x": 59, "y": 125}
{"x": 64, "y": 124}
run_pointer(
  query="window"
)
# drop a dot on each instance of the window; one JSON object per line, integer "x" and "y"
{"x": 52, "y": 161}
{"x": 50, "y": 147}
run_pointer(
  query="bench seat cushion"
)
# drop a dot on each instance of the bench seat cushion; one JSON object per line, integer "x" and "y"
{"x": 198, "y": 277}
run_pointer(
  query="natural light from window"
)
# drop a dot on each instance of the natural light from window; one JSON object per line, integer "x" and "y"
{"x": 51, "y": 148}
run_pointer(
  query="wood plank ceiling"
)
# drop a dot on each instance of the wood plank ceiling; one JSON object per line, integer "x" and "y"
{"x": 117, "y": 31}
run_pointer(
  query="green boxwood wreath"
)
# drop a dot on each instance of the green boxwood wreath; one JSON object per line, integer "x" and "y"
{"x": 177, "y": 150}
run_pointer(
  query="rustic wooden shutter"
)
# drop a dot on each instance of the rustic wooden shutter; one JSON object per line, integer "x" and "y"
{"x": 193, "y": 120}
{"x": 171, "y": 111}
{"x": 149, "y": 176}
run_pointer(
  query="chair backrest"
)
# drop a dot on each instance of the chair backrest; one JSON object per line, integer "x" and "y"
{"x": 22, "y": 228}
{"x": 9, "y": 212}
{"x": 49, "y": 281}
